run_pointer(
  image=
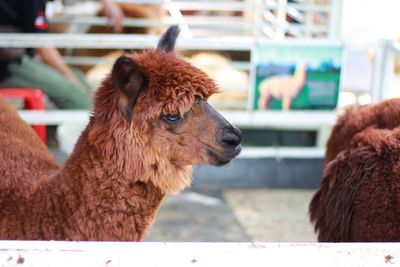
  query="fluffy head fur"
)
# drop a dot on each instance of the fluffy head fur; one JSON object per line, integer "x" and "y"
{"x": 139, "y": 144}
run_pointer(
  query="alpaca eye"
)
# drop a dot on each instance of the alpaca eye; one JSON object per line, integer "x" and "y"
{"x": 172, "y": 118}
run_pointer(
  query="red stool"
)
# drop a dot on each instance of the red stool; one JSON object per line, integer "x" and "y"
{"x": 33, "y": 99}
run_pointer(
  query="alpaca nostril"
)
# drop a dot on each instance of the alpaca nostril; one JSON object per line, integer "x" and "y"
{"x": 233, "y": 137}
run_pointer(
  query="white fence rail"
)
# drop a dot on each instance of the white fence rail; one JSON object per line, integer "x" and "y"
{"x": 51, "y": 253}
{"x": 293, "y": 120}
{"x": 121, "y": 41}
{"x": 118, "y": 41}
{"x": 297, "y": 120}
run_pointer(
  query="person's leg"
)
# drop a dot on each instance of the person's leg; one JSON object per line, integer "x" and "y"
{"x": 79, "y": 74}
{"x": 61, "y": 91}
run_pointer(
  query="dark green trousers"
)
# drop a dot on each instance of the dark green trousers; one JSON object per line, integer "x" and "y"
{"x": 59, "y": 89}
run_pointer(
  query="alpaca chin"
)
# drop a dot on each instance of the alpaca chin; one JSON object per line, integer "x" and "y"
{"x": 220, "y": 159}
{"x": 174, "y": 179}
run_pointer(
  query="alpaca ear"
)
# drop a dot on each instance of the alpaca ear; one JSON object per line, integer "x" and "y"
{"x": 128, "y": 78}
{"x": 168, "y": 40}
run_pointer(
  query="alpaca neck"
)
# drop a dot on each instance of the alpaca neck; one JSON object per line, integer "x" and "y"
{"x": 91, "y": 202}
{"x": 300, "y": 74}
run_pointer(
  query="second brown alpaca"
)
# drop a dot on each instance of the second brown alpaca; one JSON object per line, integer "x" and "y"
{"x": 150, "y": 123}
{"x": 359, "y": 197}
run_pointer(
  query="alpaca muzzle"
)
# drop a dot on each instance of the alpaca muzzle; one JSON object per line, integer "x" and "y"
{"x": 229, "y": 139}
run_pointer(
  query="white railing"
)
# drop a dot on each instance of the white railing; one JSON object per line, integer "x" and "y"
{"x": 227, "y": 24}
{"x": 121, "y": 41}
{"x": 117, "y": 254}
{"x": 292, "y": 120}
{"x": 54, "y": 117}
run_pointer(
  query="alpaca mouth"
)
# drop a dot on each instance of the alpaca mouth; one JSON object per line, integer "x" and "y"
{"x": 219, "y": 159}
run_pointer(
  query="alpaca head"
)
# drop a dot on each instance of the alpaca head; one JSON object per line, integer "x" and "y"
{"x": 301, "y": 71}
{"x": 152, "y": 119}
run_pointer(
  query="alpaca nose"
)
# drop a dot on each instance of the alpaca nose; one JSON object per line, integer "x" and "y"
{"x": 231, "y": 136}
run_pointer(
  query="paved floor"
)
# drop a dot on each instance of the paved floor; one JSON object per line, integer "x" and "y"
{"x": 273, "y": 215}
{"x": 235, "y": 215}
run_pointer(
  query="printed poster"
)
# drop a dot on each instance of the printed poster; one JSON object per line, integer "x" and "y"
{"x": 297, "y": 76}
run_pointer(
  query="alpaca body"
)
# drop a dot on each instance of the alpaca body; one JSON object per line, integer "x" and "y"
{"x": 282, "y": 87}
{"x": 151, "y": 123}
{"x": 82, "y": 202}
{"x": 359, "y": 197}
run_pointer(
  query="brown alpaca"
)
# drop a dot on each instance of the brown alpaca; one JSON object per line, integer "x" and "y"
{"x": 384, "y": 115}
{"x": 359, "y": 197}
{"x": 151, "y": 122}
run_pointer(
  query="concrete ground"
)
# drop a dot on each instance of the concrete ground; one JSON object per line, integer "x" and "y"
{"x": 269, "y": 215}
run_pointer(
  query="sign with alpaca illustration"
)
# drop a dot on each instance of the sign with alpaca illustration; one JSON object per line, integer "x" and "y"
{"x": 297, "y": 76}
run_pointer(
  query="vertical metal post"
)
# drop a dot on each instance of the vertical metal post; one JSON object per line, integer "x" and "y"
{"x": 335, "y": 19}
{"x": 309, "y": 20}
{"x": 382, "y": 71}
{"x": 252, "y": 76}
{"x": 259, "y": 11}
{"x": 281, "y": 13}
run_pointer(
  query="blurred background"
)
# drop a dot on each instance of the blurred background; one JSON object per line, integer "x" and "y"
{"x": 329, "y": 54}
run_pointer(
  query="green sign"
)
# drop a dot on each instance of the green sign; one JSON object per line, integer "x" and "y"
{"x": 297, "y": 76}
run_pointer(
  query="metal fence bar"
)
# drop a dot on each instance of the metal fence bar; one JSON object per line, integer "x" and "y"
{"x": 300, "y": 7}
{"x": 54, "y": 117}
{"x": 52, "y": 253}
{"x": 198, "y": 5}
{"x": 121, "y": 41}
{"x": 258, "y": 119}
{"x": 82, "y": 60}
{"x": 132, "y": 22}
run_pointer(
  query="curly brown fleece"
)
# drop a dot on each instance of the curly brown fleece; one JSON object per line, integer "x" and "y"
{"x": 383, "y": 115}
{"x": 359, "y": 197}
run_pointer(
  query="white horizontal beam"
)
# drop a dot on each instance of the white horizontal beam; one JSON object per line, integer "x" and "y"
{"x": 117, "y": 254}
{"x": 198, "y": 5}
{"x": 121, "y": 41}
{"x": 78, "y": 60}
{"x": 282, "y": 152}
{"x": 133, "y": 22}
{"x": 300, "y": 7}
{"x": 54, "y": 117}
{"x": 302, "y": 120}
{"x": 311, "y": 28}
{"x": 142, "y": 41}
